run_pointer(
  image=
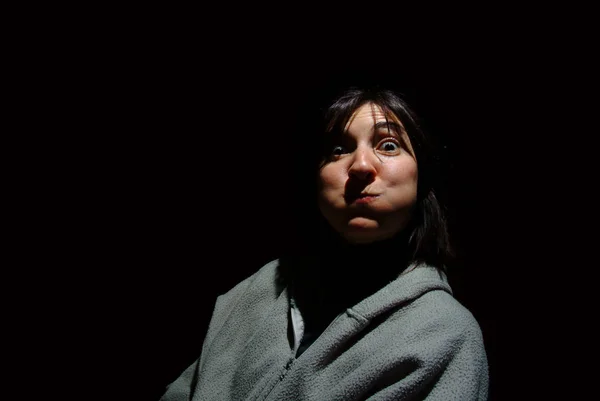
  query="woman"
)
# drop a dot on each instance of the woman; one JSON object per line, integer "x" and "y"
{"x": 361, "y": 307}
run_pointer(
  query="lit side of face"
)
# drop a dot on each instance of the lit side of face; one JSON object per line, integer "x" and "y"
{"x": 368, "y": 186}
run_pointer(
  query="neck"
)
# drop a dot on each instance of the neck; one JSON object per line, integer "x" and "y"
{"x": 342, "y": 273}
{"x": 363, "y": 261}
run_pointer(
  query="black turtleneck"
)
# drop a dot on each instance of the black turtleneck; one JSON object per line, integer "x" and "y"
{"x": 338, "y": 275}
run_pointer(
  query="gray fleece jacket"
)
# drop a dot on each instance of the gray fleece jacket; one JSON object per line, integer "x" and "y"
{"x": 411, "y": 340}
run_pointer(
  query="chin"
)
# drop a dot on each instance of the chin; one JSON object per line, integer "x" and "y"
{"x": 362, "y": 223}
{"x": 363, "y": 231}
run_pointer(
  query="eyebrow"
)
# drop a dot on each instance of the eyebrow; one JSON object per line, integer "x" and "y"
{"x": 390, "y": 125}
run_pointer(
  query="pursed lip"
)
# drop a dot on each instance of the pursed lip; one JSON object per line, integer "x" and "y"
{"x": 364, "y": 197}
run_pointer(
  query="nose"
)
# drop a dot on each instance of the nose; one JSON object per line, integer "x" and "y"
{"x": 363, "y": 164}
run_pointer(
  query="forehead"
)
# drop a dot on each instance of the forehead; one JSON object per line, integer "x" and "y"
{"x": 369, "y": 114}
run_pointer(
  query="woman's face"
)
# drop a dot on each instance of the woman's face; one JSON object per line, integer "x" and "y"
{"x": 368, "y": 187}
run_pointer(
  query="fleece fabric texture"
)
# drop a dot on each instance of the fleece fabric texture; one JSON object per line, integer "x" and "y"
{"x": 411, "y": 340}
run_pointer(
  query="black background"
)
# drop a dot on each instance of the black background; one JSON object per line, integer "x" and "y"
{"x": 175, "y": 185}
{"x": 198, "y": 194}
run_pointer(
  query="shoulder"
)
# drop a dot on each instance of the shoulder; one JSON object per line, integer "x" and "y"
{"x": 247, "y": 301}
{"x": 263, "y": 276}
{"x": 429, "y": 313}
{"x": 442, "y": 344}
{"x": 263, "y": 281}
{"x": 433, "y": 329}
{"x": 434, "y": 304}
{"x": 440, "y": 309}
